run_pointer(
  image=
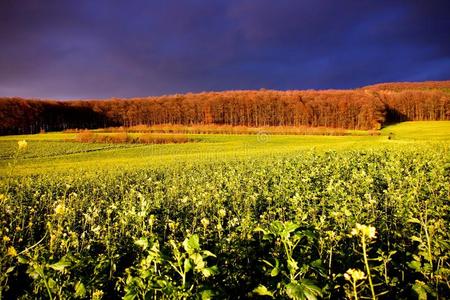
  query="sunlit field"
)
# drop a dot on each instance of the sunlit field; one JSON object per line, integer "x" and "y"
{"x": 228, "y": 216}
{"x": 59, "y": 152}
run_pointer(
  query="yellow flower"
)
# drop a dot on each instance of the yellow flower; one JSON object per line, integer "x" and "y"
{"x": 6, "y": 239}
{"x": 60, "y": 209}
{"x": 97, "y": 295}
{"x": 354, "y": 274}
{"x": 151, "y": 220}
{"x": 222, "y": 212}
{"x": 12, "y": 251}
{"x": 22, "y": 145}
{"x": 371, "y": 233}
{"x": 2, "y": 197}
{"x": 364, "y": 230}
{"x": 205, "y": 222}
{"x": 172, "y": 225}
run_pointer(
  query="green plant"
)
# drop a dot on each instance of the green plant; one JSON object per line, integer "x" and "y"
{"x": 293, "y": 263}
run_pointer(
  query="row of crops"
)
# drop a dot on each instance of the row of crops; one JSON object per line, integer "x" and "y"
{"x": 358, "y": 225}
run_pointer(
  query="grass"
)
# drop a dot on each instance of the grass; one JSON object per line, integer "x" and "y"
{"x": 58, "y": 152}
{"x": 419, "y": 131}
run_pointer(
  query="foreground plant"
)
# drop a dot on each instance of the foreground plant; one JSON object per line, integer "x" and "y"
{"x": 366, "y": 234}
{"x": 432, "y": 255}
{"x": 295, "y": 263}
{"x": 142, "y": 233}
{"x": 152, "y": 278}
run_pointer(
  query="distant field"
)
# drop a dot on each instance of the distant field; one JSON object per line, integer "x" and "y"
{"x": 420, "y": 131}
{"x": 52, "y": 152}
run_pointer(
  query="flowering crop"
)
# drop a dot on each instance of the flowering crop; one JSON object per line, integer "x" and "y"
{"x": 357, "y": 224}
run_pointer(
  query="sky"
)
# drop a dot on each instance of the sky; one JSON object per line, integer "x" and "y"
{"x": 116, "y": 48}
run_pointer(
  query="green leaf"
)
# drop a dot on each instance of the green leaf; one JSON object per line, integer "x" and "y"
{"x": 416, "y": 239}
{"x": 416, "y": 265}
{"x": 51, "y": 284}
{"x": 162, "y": 283}
{"x": 304, "y": 289}
{"x": 61, "y": 265}
{"x": 309, "y": 295}
{"x": 262, "y": 291}
{"x": 259, "y": 229}
{"x": 414, "y": 220}
{"x": 142, "y": 242}
{"x": 22, "y": 259}
{"x": 198, "y": 261}
{"x": 295, "y": 291}
{"x": 292, "y": 265}
{"x": 275, "y": 269}
{"x": 267, "y": 262}
{"x": 419, "y": 289}
{"x": 276, "y": 227}
{"x": 207, "y": 272}
{"x": 192, "y": 244}
{"x": 311, "y": 289}
{"x": 80, "y": 290}
{"x": 290, "y": 227}
{"x": 130, "y": 295}
{"x": 310, "y": 234}
{"x": 207, "y": 294}
{"x": 187, "y": 265}
{"x": 207, "y": 253}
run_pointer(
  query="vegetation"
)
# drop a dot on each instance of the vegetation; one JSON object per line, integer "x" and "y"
{"x": 358, "y": 217}
{"x": 228, "y": 129}
{"x": 368, "y": 108}
{"x": 398, "y": 86}
{"x": 87, "y": 136}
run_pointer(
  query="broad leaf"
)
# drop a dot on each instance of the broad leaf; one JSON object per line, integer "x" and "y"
{"x": 61, "y": 265}
{"x": 262, "y": 291}
{"x": 187, "y": 265}
{"x": 207, "y": 272}
{"x": 80, "y": 290}
{"x": 192, "y": 244}
{"x": 142, "y": 242}
{"x": 420, "y": 291}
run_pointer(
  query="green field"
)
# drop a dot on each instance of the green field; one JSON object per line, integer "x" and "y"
{"x": 57, "y": 152}
{"x": 228, "y": 217}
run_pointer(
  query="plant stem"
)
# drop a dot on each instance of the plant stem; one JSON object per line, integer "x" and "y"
{"x": 366, "y": 262}
{"x": 354, "y": 289}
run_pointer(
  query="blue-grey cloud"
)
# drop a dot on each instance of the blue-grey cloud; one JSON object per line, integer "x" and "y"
{"x": 113, "y": 48}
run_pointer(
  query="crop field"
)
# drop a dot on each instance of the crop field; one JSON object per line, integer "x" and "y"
{"x": 228, "y": 216}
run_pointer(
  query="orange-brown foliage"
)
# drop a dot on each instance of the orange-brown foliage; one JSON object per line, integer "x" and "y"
{"x": 398, "y": 86}
{"x": 227, "y": 129}
{"x": 365, "y": 108}
{"x": 87, "y": 136}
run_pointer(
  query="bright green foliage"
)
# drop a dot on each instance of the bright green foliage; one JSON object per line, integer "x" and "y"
{"x": 57, "y": 152}
{"x": 298, "y": 225}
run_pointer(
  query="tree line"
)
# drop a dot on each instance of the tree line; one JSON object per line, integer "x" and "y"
{"x": 348, "y": 109}
{"x": 399, "y": 86}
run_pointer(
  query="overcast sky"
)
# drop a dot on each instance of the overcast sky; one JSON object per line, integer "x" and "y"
{"x": 118, "y": 48}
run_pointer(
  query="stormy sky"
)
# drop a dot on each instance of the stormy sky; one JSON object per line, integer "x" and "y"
{"x": 117, "y": 48}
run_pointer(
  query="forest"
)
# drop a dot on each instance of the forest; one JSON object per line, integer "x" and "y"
{"x": 366, "y": 108}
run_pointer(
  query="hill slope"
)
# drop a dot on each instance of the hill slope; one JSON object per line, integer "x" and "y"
{"x": 368, "y": 108}
{"x": 399, "y": 86}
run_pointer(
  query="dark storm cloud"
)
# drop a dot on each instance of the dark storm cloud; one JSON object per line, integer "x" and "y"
{"x": 106, "y": 48}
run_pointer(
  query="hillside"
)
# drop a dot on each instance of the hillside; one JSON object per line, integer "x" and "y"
{"x": 398, "y": 86}
{"x": 369, "y": 108}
